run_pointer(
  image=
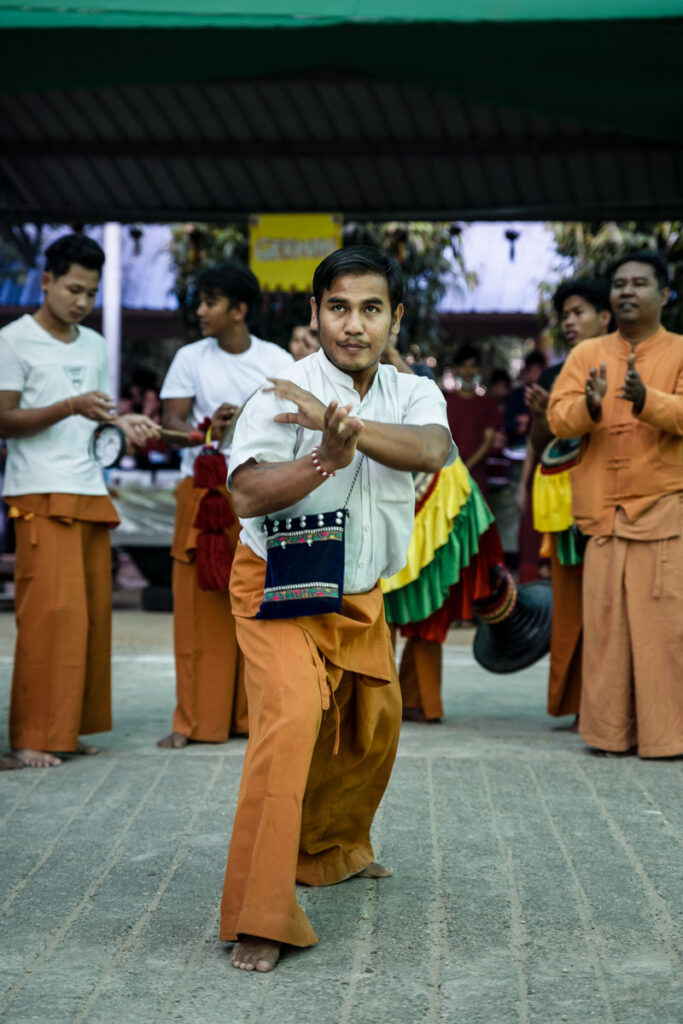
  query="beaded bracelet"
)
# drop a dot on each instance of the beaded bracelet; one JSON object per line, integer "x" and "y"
{"x": 72, "y": 410}
{"x": 318, "y": 467}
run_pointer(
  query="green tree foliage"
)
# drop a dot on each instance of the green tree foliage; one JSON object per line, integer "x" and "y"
{"x": 427, "y": 253}
{"x": 588, "y": 250}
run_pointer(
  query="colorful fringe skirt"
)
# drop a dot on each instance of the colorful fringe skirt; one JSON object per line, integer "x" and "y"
{"x": 552, "y": 500}
{"x": 454, "y": 544}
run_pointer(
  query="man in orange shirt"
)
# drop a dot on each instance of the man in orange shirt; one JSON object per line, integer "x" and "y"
{"x": 623, "y": 394}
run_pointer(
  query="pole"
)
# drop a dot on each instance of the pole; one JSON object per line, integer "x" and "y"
{"x": 111, "y": 303}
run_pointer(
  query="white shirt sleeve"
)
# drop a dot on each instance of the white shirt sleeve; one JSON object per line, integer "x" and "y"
{"x": 180, "y": 381}
{"x": 426, "y": 406}
{"x": 258, "y": 437}
{"x": 11, "y": 371}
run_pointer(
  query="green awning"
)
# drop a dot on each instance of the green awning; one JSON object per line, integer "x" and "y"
{"x": 284, "y": 13}
{"x": 569, "y": 108}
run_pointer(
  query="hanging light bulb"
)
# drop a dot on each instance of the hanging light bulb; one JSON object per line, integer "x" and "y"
{"x": 512, "y": 237}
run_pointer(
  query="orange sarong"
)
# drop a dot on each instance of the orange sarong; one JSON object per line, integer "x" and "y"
{"x": 61, "y": 684}
{"x": 324, "y": 719}
{"x": 420, "y": 676}
{"x": 566, "y": 644}
{"x": 633, "y": 634}
{"x": 210, "y": 694}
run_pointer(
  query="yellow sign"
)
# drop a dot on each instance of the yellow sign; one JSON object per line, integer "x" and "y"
{"x": 285, "y": 248}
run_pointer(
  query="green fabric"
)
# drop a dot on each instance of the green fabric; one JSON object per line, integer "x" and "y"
{"x": 567, "y": 553}
{"x": 425, "y": 595}
{"x": 259, "y": 13}
{"x": 616, "y": 74}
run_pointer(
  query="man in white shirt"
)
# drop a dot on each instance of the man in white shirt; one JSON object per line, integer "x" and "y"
{"x": 209, "y": 380}
{"x": 55, "y": 387}
{"x": 324, "y": 700}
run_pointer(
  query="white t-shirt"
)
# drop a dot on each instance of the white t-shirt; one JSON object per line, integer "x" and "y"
{"x": 211, "y": 376}
{"x": 46, "y": 371}
{"x": 382, "y": 503}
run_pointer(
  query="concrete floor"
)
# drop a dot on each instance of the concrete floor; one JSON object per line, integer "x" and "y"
{"x": 534, "y": 881}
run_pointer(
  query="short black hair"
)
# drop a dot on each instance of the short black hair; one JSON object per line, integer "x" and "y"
{"x": 649, "y": 256}
{"x": 535, "y": 358}
{"x": 233, "y": 280}
{"x": 70, "y": 249}
{"x": 499, "y": 374}
{"x": 464, "y": 353}
{"x": 593, "y": 290}
{"x": 359, "y": 259}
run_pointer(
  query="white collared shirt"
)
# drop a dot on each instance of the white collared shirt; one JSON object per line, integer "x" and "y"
{"x": 382, "y": 503}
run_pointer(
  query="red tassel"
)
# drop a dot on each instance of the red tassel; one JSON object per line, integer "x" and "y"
{"x": 210, "y": 469}
{"x": 214, "y": 561}
{"x": 214, "y": 514}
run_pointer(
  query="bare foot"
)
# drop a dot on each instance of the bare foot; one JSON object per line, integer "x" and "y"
{"x": 253, "y": 954}
{"x": 376, "y": 870}
{"x": 174, "y": 741}
{"x": 8, "y": 764}
{"x": 86, "y": 748}
{"x": 36, "y": 758}
{"x": 597, "y": 752}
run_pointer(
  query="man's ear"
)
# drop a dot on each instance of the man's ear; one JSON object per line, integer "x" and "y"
{"x": 46, "y": 278}
{"x": 604, "y": 316}
{"x": 396, "y": 320}
{"x": 314, "y": 315}
{"x": 239, "y": 311}
{"x": 666, "y": 295}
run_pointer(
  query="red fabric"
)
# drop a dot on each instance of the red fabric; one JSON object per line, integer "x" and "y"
{"x": 210, "y": 469}
{"x": 468, "y": 419}
{"x": 214, "y": 561}
{"x": 214, "y": 513}
{"x": 528, "y": 539}
{"x": 474, "y": 583}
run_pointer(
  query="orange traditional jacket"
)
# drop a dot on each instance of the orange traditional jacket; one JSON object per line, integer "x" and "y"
{"x": 626, "y": 460}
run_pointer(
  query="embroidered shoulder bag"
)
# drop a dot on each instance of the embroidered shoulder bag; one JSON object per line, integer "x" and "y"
{"x": 305, "y": 563}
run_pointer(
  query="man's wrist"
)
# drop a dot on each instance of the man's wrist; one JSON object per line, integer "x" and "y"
{"x": 318, "y": 460}
{"x": 594, "y": 409}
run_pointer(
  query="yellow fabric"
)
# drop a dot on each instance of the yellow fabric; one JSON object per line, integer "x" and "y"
{"x": 433, "y": 523}
{"x": 552, "y": 500}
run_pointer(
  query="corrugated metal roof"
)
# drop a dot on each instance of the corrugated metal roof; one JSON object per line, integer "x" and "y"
{"x": 366, "y": 148}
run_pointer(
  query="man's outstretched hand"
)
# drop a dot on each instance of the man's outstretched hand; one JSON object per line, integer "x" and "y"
{"x": 138, "y": 428}
{"x": 340, "y": 437}
{"x": 311, "y": 411}
{"x": 633, "y": 389}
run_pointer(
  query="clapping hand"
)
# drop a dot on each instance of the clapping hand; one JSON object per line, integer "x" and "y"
{"x": 633, "y": 389}
{"x": 596, "y": 387}
{"x": 536, "y": 399}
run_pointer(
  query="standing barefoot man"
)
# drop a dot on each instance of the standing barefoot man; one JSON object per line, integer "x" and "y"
{"x": 55, "y": 390}
{"x": 210, "y": 379}
{"x": 324, "y": 700}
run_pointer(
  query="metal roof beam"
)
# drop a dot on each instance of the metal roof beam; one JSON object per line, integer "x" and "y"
{"x": 342, "y": 148}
